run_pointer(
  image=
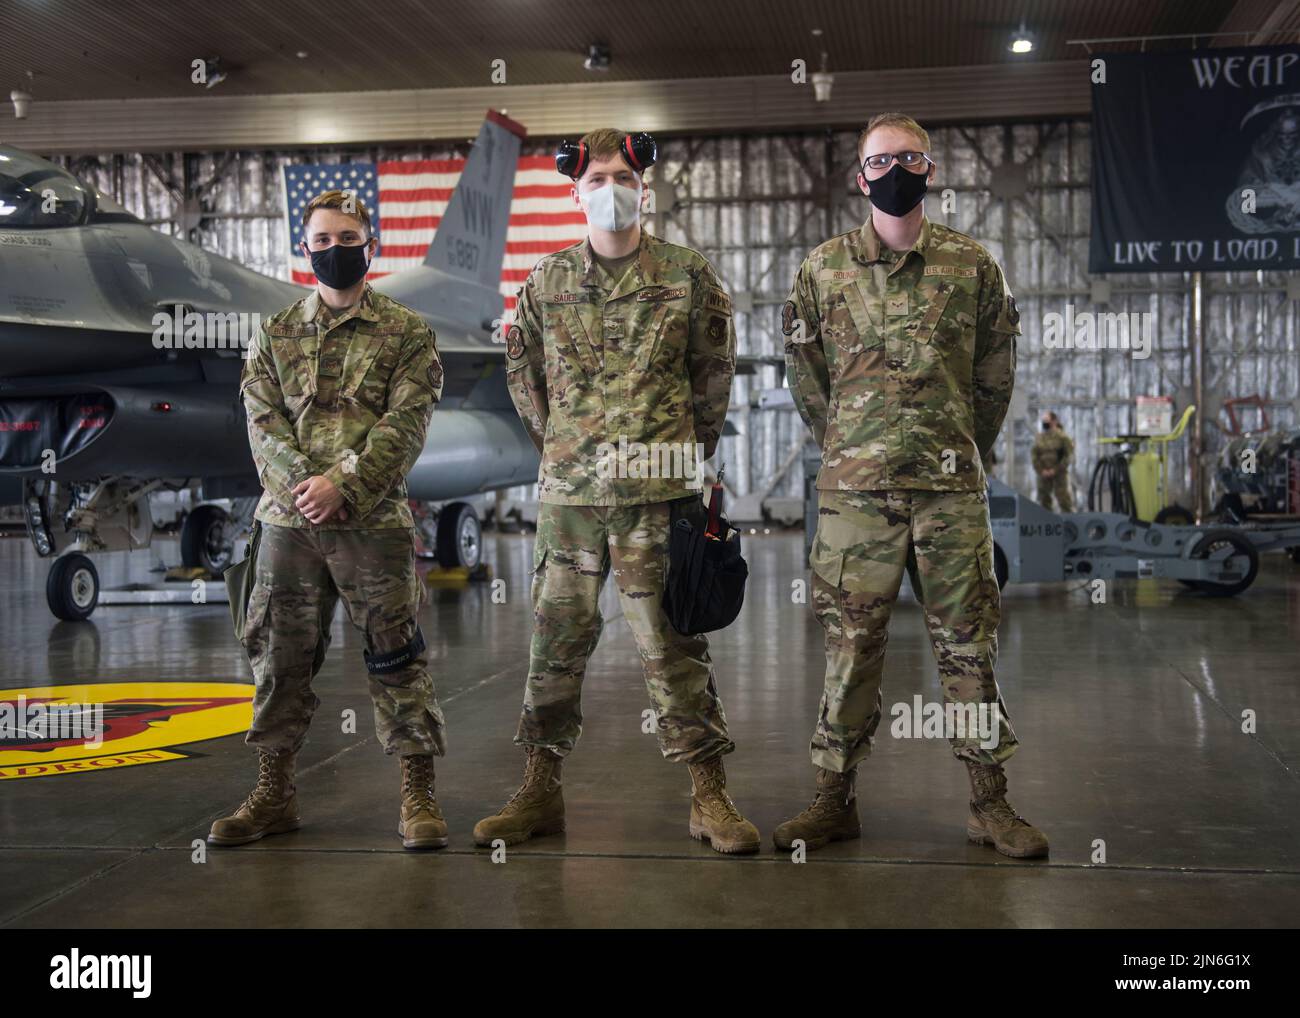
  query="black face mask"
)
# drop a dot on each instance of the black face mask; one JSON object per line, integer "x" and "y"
{"x": 898, "y": 191}
{"x": 340, "y": 266}
{"x": 1047, "y": 425}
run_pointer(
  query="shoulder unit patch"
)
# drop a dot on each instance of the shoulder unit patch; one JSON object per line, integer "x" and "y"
{"x": 515, "y": 342}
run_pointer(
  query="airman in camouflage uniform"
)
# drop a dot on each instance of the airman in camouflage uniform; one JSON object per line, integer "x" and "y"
{"x": 902, "y": 363}
{"x": 618, "y": 376}
{"x": 346, "y": 395}
{"x": 1052, "y": 457}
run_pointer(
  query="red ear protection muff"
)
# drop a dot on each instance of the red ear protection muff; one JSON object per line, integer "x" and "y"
{"x": 639, "y": 151}
{"x": 571, "y": 159}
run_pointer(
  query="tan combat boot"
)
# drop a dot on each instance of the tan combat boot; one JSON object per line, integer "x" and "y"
{"x": 536, "y": 809}
{"x": 271, "y": 807}
{"x": 421, "y": 824}
{"x": 833, "y": 815}
{"x": 992, "y": 820}
{"x": 714, "y": 817}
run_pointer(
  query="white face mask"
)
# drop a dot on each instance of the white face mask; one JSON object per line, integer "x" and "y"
{"x": 612, "y": 207}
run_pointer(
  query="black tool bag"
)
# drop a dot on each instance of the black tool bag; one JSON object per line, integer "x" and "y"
{"x": 706, "y": 577}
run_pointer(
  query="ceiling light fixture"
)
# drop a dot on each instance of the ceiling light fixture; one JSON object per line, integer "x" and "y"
{"x": 598, "y": 57}
{"x": 822, "y": 80}
{"x": 1022, "y": 41}
{"x": 215, "y": 71}
{"x": 22, "y": 99}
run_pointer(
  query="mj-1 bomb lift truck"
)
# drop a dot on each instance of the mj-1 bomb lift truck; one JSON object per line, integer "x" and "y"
{"x": 1034, "y": 545}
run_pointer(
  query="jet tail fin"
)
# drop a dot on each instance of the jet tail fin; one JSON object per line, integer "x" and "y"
{"x": 470, "y": 242}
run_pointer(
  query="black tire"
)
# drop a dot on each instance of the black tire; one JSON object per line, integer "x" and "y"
{"x": 460, "y": 537}
{"x": 1000, "y": 568}
{"x": 1240, "y": 546}
{"x": 205, "y": 539}
{"x": 72, "y": 587}
{"x": 1174, "y": 516}
{"x": 1295, "y": 554}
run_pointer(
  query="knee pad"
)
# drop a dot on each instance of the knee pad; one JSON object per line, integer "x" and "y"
{"x": 395, "y": 660}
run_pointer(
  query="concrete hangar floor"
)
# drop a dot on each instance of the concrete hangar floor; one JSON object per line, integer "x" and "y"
{"x": 1129, "y": 715}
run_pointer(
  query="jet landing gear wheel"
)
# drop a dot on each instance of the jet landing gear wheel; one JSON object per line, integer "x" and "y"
{"x": 72, "y": 587}
{"x": 460, "y": 537}
{"x": 205, "y": 539}
{"x": 1000, "y": 568}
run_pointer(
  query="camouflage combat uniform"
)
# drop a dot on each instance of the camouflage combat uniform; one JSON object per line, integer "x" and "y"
{"x": 645, "y": 358}
{"x": 902, "y": 364}
{"x": 348, "y": 396}
{"x": 1054, "y": 450}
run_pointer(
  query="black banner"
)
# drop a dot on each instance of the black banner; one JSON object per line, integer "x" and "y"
{"x": 1196, "y": 160}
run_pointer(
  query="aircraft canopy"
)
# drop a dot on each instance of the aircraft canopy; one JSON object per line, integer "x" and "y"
{"x": 35, "y": 193}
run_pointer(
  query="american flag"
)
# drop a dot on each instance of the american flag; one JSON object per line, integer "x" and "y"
{"x": 407, "y": 199}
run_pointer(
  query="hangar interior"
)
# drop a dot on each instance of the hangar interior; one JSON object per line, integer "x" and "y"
{"x": 1164, "y": 806}
{"x": 756, "y": 204}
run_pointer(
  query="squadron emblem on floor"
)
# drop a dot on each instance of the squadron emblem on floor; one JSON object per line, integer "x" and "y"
{"x": 76, "y": 729}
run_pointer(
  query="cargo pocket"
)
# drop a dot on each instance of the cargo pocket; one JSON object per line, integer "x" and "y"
{"x": 938, "y": 297}
{"x": 948, "y": 327}
{"x": 369, "y": 370}
{"x": 419, "y": 588}
{"x": 252, "y": 634}
{"x": 294, "y": 372}
{"x": 296, "y": 402}
{"x": 579, "y": 341}
{"x": 853, "y": 327}
{"x": 558, "y": 378}
{"x": 668, "y": 325}
{"x": 652, "y": 326}
{"x": 988, "y": 612}
{"x": 827, "y": 594}
{"x": 539, "y": 569}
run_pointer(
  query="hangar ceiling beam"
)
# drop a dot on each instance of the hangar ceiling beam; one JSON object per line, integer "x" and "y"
{"x": 939, "y": 95}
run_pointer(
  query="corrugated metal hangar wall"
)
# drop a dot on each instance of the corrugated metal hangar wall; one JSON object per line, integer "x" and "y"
{"x": 756, "y": 204}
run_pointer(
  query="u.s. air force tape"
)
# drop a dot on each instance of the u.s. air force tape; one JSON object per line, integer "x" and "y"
{"x": 395, "y": 660}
